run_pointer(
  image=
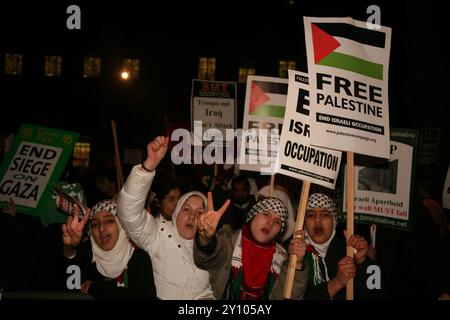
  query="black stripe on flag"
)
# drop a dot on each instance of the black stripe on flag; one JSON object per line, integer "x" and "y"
{"x": 272, "y": 87}
{"x": 365, "y": 36}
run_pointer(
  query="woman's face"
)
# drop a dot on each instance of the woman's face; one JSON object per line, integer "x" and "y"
{"x": 319, "y": 224}
{"x": 187, "y": 217}
{"x": 105, "y": 230}
{"x": 265, "y": 226}
{"x": 169, "y": 202}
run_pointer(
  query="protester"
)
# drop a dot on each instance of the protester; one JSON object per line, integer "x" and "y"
{"x": 169, "y": 245}
{"x": 330, "y": 269}
{"x": 247, "y": 265}
{"x": 111, "y": 268}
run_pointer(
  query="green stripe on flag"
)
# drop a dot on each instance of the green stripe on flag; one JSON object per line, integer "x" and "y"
{"x": 350, "y": 63}
{"x": 269, "y": 111}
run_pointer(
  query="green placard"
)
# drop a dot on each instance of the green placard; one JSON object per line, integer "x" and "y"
{"x": 33, "y": 166}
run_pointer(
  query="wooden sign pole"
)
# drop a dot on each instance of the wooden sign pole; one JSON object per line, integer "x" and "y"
{"x": 350, "y": 184}
{"x": 298, "y": 226}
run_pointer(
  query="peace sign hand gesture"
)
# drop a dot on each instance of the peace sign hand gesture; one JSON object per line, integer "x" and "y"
{"x": 207, "y": 222}
{"x": 73, "y": 228}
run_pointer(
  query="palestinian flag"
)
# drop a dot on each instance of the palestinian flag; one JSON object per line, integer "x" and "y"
{"x": 346, "y": 46}
{"x": 268, "y": 98}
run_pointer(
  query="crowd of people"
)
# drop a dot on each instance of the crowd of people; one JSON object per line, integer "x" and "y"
{"x": 158, "y": 239}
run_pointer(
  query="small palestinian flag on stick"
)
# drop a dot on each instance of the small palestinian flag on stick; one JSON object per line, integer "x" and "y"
{"x": 66, "y": 198}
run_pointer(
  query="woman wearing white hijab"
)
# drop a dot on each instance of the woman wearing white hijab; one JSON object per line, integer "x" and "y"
{"x": 112, "y": 268}
{"x": 169, "y": 245}
{"x": 329, "y": 267}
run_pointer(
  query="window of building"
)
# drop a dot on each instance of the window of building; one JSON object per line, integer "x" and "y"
{"x": 207, "y": 68}
{"x": 81, "y": 154}
{"x": 52, "y": 66}
{"x": 284, "y": 65}
{"x": 13, "y": 63}
{"x": 91, "y": 67}
{"x": 244, "y": 72}
{"x": 130, "y": 69}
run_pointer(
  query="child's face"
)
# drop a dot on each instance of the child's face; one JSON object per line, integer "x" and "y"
{"x": 319, "y": 224}
{"x": 265, "y": 226}
{"x": 187, "y": 217}
{"x": 169, "y": 203}
{"x": 105, "y": 230}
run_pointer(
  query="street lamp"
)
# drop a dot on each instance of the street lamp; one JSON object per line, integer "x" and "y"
{"x": 125, "y": 75}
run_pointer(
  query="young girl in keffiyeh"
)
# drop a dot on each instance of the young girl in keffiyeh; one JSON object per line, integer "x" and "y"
{"x": 111, "y": 266}
{"x": 329, "y": 267}
{"x": 249, "y": 265}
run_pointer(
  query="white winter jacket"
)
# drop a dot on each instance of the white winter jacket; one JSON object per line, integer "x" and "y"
{"x": 176, "y": 276}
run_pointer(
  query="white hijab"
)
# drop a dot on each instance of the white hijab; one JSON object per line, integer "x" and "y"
{"x": 284, "y": 197}
{"x": 111, "y": 263}
{"x": 188, "y": 245}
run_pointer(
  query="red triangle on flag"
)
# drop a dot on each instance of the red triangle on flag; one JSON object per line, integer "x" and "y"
{"x": 257, "y": 97}
{"x": 323, "y": 43}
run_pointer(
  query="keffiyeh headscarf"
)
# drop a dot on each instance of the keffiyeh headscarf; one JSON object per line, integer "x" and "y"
{"x": 320, "y": 200}
{"x": 111, "y": 263}
{"x": 254, "y": 265}
{"x": 317, "y": 252}
{"x": 270, "y": 205}
{"x": 283, "y": 196}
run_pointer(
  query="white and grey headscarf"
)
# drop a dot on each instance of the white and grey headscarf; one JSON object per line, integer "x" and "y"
{"x": 111, "y": 263}
{"x": 320, "y": 200}
{"x": 283, "y": 196}
{"x": 274, "y": 205}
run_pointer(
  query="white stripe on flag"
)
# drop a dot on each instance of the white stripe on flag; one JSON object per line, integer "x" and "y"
{"x": 362, "y": 51}
{"x": 276, "y": 99}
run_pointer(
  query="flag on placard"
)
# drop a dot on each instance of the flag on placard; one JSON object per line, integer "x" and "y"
{"x": 334, "y": 47}
{"x": 268, "y": 99}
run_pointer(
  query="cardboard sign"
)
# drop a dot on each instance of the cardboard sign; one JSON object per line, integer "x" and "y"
{"x": 348, "y": 68}
{"x": 33, "y": 165}
{"x": 297, "y": 158}
{"x": 265, "y": 101}
{"x": 383, "y": 193}
{"x": 213, "y": 103}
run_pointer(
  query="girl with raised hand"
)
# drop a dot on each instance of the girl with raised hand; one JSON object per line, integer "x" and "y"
{"x": 111, "y": 267}
{"x": 169, "y": 245}
{"x": 249, "y": 265}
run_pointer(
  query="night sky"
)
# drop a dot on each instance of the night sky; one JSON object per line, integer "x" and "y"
{"x": 168, "y": 37}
